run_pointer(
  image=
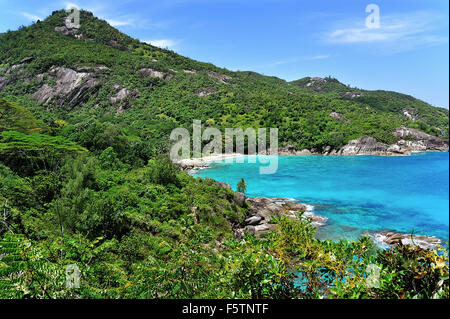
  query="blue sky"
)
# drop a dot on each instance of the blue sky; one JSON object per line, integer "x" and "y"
{"x": 289, "y": 39}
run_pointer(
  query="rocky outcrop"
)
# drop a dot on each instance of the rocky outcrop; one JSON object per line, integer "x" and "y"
{"x": 149, "y": 72}
{"x": 69, "y": 29}
{"x": 239, "y": 199}
{"x": 314, "y": 81}
{"x": 263, "y": 211}
{"x": 410, "y": 140}
{"x": 191, "y": 71}
{"x": 353, "y": 95}
{"x": 11, "y": 74}
{"x": 223, "y": 185}
{"x": 121, "y": 93}
{"x": 392, "y": 239}
{"x": 202, "y": 92}
{"x": 289, "y": 150}
{"x": 363, "y": 146}
{"x": 337, "y": 116}
{"x": 410, "y": 115}
{"x": 71, "y": 87}
{"x": 414, "y": 140}
{"x": 221, "y": 77}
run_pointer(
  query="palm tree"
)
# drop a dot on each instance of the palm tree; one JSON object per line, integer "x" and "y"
{"x": 242, "y": 186}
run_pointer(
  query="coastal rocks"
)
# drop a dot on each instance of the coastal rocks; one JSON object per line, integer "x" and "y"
{"x": 290, "y": 150}
{"x": 393, "y": 239}
{"x": 223, "y": 185}
{"x": 263, "y": 211}
{"x": 364, "y": 146}
{"x": 239, "y": 199}
{"x": 430, "y": 142}
{"x": 411, "y": 140}
{"x": 191, "y": 166}
{"x": 71, "y": 86}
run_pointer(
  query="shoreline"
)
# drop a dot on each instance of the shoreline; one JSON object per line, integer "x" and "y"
{"x": 196, "y": 163}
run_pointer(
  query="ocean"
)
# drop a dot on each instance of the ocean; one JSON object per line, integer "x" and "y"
{"x": 358, "y": 194}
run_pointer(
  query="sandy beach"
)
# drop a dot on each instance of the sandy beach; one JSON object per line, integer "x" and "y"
{"x": 200, "y": 161}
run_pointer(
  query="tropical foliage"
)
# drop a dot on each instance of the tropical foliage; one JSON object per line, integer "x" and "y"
{"x": 88, "y": 184}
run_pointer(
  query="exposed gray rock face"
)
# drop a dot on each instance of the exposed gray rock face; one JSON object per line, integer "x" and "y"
{"x": 239, "y": 199}
{"x": 392, "y": 239}
{"x": 420, "y": 141}
{"x": 353, "y": 95}
{"x": 314, "y": 81}
{"x": 411, "y": 140}
{"x": 223, "y": 185}
{"x": 73, "y": 88}
{"x": 263, "y": 210}
{"x": 121, "y": 94}
{"x": 290, "y": 150}
{"x": 10, "y": 74}
{"x": 337, "y": 116}
{"x": 69, "y": 31}
{"x": 202, "y": 92}
{"x": 191, "y": 71}
{"x": 221, "y": 77}
{"x": 27, "y": 59}
{"x": 409, "y": 115}
{"x": 97, "y": 68}
{"x": 149, "y": 72}
{"x": 364, "y": 146}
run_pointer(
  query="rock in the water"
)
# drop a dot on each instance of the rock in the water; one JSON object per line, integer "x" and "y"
{"x": 393, "y": 239}
{"x": 364, "y": 146}
{"x": 263, "y": 210}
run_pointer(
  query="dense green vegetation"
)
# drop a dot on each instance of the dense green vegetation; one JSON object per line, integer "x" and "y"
{"x": 85, "y": 181}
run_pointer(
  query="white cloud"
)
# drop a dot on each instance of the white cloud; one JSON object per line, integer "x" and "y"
{"x": 408, "y": 29}
{"x": 162, "y": 43}
{"x": 286, "y": 61}
{"x": 31, "y": 16}
{"x": 119, "y": 23}
{"x": 321, "y": 57}
{"x": 71, "y": 5}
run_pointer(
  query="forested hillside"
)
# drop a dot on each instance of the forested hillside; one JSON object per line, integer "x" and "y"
{"x": 85, "y": 116}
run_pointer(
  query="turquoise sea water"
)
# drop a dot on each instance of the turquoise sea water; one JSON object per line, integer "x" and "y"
{"x": 356, "y": 193}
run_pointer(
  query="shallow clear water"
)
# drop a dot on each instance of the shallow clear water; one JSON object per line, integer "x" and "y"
{"x": 357, "y": 193}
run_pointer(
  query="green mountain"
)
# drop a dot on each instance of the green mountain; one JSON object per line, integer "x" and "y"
{"x": 85, "y": 119}
{"x": 95, "y": 73}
